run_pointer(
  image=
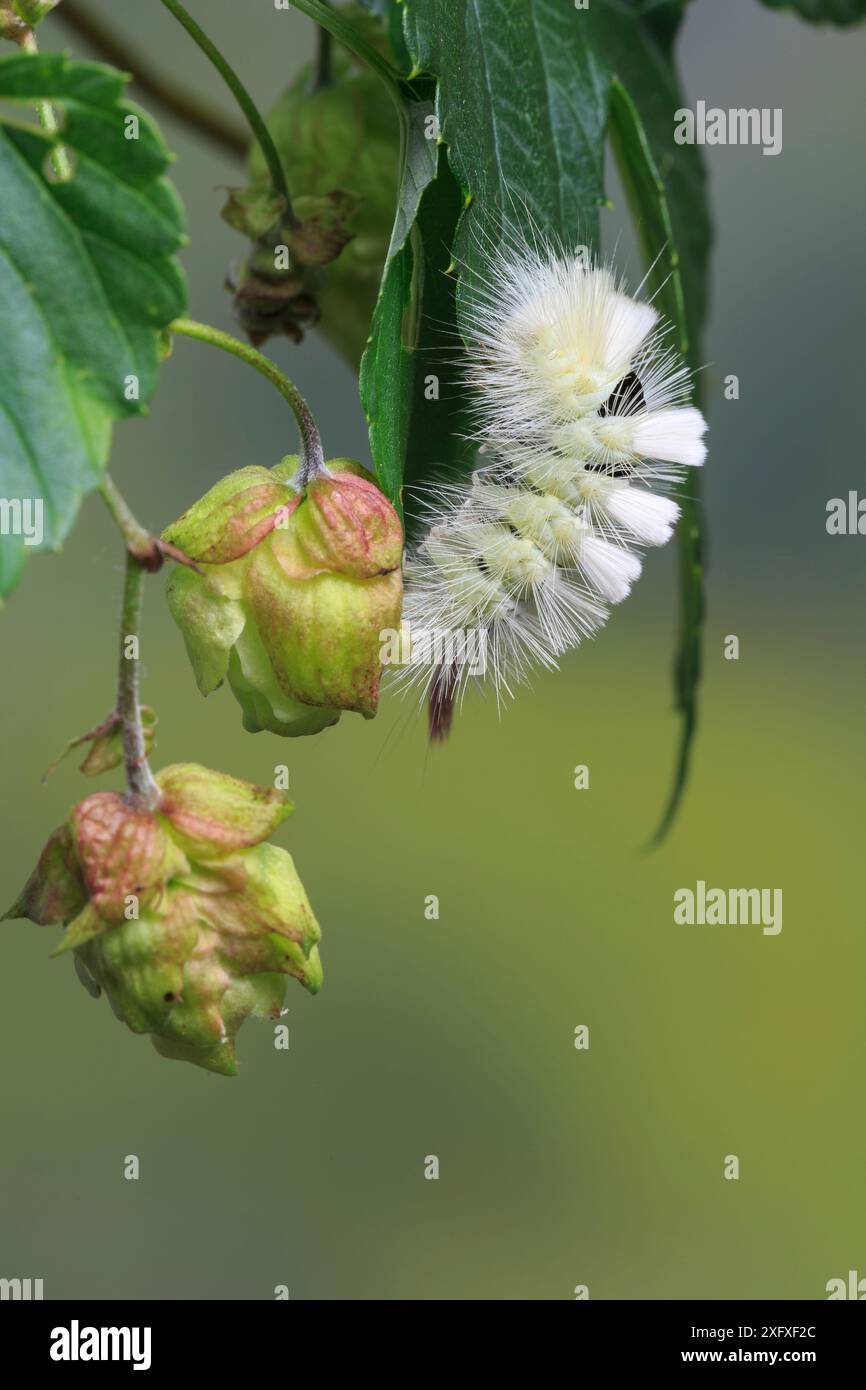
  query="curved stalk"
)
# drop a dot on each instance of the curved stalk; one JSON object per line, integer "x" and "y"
{"x": 312, "y": 455}
{"x": 279, "y": 181}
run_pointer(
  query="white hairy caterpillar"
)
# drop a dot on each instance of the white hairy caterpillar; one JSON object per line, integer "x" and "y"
{"x": 582, "y": 420}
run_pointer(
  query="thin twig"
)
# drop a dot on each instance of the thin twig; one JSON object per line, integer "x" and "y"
{"x": 137, "y": 540}
{"x": 144, "y": 552}
{"x": 147, "y": 549}
{"x": 139, "y": 777}
{"x": 322, "y": 76}
{"x": 279, "y": 182}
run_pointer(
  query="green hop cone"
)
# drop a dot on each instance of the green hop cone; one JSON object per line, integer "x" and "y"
{"x": 340, "y": 148}
{"x": 295, "y": 591}
{"x": 184, "y": 915}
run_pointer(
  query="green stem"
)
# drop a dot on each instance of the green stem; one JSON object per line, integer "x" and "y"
{"x": 139, "y": 777}
{"x": 344, "y": 31}
{"x": 322, "y": 76}
{"x": 62, "y": 164}
{"x": 149, "y": 550}
{"x": 312, "y": 456}
{"x": 139, "y": 542}
{"x": 144, "y": 554}
{"x": 279, "y": 182}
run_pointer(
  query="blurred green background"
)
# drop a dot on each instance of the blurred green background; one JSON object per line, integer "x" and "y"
{"x": 455, "y": 1037}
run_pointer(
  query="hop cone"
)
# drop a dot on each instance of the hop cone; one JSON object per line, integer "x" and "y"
{"x": 184, "y": 915}
{"x": 295, "y": 592}
{"x": 339, "y": 146}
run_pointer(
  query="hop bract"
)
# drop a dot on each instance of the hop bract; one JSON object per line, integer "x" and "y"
{"x": 296, "y": 588}
{"x": 186, "y": 918}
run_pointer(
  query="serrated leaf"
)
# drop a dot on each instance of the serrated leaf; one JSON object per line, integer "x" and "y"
{"x": 822, "y": 11}
{"x": 87, "y": 283}
{"x": 648, "y": 197}
{"x": 628, "y": 48}
{"x": 522, "y": 100}
{"x": 522, "y": 103}
{"x": 521, "y": 110}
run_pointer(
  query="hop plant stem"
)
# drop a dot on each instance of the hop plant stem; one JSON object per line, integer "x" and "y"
{"x": 145, "y": 553}
{"x": 323, "y": 74}
{"x": 139, "y": 778}
{"x": 25, "y": 38}
{"x": 138, "y": 541}
{"x": 147, "y": 549}
{"x": 313, "y": 458}
{"x": 279, "y": 181}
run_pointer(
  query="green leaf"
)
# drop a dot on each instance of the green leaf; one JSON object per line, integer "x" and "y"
{"x": 629, "y": 49}
{"x": 360, "y": 39}
{"x": 388, "y": 364}
{"x": 536, "y": 161}
{"x": 387, "y": 373}
{"x": 649, "y": 202}
{"x": 440, "y": 441}
{"x": 522, "y": 103}
{"x": 647, "y": 193}
{"x": 419, "y": 168}
{"x": 87, "y": 283}
{"x": 667, "y": 189}
{"x": 822, "y": 11}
